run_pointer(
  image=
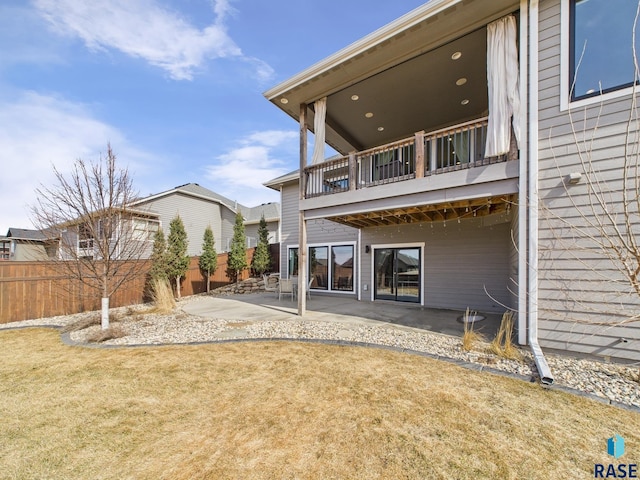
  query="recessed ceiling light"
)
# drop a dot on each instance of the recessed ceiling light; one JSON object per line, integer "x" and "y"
{"x": 380, "y": 129}
{"x": 461, "y": 81}
{"x": 354, "y": 97}
{"x": 456, "y": 55}
{"x": 368, "y": 114}
{"x": 465, "y": 101}
{"x": 284, "y": 101}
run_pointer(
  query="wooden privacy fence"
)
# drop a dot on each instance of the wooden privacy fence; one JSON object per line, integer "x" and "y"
{"x": 30, "y": 290}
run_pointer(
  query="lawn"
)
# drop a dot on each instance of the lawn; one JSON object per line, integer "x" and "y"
{"x": 280, "y": 410}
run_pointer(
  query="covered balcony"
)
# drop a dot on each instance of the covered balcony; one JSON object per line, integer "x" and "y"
{"x": 424, "y": 154}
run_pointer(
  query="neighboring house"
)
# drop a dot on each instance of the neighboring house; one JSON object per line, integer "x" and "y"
{"x": 438, "y": 192}
{"x": 25, "y": 245}
{"x": 129, "y": 233}
{"x": 200, "y": 207}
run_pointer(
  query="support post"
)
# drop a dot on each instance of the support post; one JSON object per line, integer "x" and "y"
{"x": 353, "y": 171}
{"x": 419, "y": 148}
{"x": 302, "y": 223}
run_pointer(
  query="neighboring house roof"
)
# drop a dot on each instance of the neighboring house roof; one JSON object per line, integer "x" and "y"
{"x": 26, "y": 234}
{"x": 270, "y": 210}
{"x": 195, "y": 190}
{"x": 292, "y": 177}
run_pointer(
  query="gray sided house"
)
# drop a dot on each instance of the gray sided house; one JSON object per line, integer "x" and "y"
{"x": 200, "y": 207}
{"x": 469, "y": 134}
{"x": 24, "y": 245}
{"x": 125, "y": 235}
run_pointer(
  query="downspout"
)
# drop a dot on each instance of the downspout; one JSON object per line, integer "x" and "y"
{"x": 544, "y": 371}
{"x": 359, "y": 264}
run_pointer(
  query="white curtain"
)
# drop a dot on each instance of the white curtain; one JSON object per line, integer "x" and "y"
{"x": 502, "y": 78}
{"x": 320, "y": 111}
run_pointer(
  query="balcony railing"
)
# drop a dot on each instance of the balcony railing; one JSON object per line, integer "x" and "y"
{"x": 441, "y": 151}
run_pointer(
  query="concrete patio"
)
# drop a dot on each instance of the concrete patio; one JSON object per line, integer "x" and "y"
{"x": 336, "y": 308}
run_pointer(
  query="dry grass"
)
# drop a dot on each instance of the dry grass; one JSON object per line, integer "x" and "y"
{"x": 502, "y": 345}
{"x": 114, "y": 331}
{"x": 470, "y": 338}
{"x": 162, "y": 296}
{"x": 284, "y": 410}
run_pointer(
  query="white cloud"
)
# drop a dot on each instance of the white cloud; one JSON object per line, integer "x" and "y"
{"x": 39, "y": 131}
{"x": 240, "y": 173}
{"x": 144, "y": 29}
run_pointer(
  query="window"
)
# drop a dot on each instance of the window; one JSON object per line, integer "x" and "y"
{"x": 600, "y": 50}
{"x": 330, "y": 267}
{"x": 397, "y": 162}
{"x": 319, "y": 267}
{"x": 342, "y": 268}
{"x": 336, "y": 179}
{"x": 293, "y": 261}
{"x": 85, "y": 237}
{"x": 143, "y": 229}
{"x": 4, "y": 250}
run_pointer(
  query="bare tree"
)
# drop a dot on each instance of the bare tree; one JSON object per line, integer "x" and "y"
{"x": 99, "y": 239}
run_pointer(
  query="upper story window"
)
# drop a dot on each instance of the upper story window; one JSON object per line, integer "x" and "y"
{"x": 601, "y": 39}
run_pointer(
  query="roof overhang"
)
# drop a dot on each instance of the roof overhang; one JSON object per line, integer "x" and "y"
{"x": 401, "y": 71}
{"x": 278, "y": 182}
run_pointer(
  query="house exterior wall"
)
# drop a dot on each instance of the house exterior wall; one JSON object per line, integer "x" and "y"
{"x": 318, "y": 231}
{"x": 251, "y": 231}
{"x": 461, "y": 261}
{"x": 577, "y": 284}
{"x": 27, "y": 252}
{"x": 196, "y": 214}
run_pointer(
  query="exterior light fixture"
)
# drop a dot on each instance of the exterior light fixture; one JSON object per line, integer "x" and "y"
{"x": 465, "y": 102}
{"x": 355, "y": 97}
{"x": 284, "y": 101}
{"x": 456, "y": 55}
{"x": 380, "y": 129}
{"x": 461, "y": 81}
{"x": 368, "y": 114}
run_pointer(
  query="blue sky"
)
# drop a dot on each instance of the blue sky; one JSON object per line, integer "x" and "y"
{"x": 174, "y": 86}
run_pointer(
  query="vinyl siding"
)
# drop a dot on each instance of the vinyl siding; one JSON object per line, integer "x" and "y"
{"x": 318, "y": 231}
{"x": 28, "y": 252}
{"x": 251, "y": 231}
{"x": 582, "y": 295}
{"x": 465, "y": 264}
{"x": 196, "y": 214}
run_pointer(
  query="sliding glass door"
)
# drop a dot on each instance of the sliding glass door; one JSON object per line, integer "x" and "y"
{"x": 397, "y": 272}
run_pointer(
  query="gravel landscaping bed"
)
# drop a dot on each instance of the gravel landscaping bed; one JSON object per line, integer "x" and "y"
{"x": 611, "y": 382}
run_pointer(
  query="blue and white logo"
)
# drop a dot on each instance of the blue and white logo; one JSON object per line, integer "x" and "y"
{"x": 615, "y": 446}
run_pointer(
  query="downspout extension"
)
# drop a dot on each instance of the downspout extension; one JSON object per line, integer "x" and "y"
{"x": 546, "y": 377}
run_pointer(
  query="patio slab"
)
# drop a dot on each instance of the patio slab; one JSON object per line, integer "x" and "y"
{"x": 343, "y": 309}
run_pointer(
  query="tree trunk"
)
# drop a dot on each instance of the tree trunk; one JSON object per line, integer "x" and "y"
{"x": 178, "y": 286}
{"x": 104, "y": 317}
{"x": 208, "y": 280}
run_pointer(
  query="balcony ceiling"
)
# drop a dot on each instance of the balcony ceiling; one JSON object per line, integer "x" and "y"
{"x": 419, "y": 94}
{"x": 403, "y": 74}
